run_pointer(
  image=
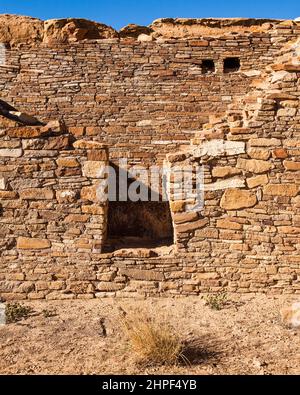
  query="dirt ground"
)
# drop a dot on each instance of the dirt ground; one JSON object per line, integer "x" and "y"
{"x": 245, "y": 337}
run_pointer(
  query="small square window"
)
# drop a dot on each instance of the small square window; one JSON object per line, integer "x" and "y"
{"x": 231, "y": 65}
{"x": 208, "y": 66}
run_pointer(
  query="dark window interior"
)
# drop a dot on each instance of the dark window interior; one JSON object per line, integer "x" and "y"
{"x": 208, "y": 66}
{"x": 141, "y": 224}
{"x": 231, "y": 65}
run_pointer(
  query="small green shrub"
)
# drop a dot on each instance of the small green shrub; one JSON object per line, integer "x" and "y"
{"x": 15, "y": 312}
{"x": 216, "y": 301}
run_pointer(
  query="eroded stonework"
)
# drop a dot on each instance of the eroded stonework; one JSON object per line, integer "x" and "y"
{"x": 152, "y": 102}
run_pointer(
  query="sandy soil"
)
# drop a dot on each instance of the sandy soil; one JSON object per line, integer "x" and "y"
{"x": 246, "y": 337}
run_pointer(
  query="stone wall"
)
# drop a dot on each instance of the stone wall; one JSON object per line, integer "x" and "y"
{"x": 149, "y": 101}
{"x": 143, "y": 99}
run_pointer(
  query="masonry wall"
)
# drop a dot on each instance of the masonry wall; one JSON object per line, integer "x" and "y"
{"x": 143, "y": 99}
{"x": 52, "y": 223}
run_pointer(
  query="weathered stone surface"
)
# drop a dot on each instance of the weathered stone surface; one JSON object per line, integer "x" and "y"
{"x": 281, "y": 189}
{"x": 192, "y": 225}
{"x": 207, "y": 276}
{"x": 287, "y": 112}
{"x": 133, "y": 30}
{"x": 262, "y": 142}
{"x": 73, "y": 30}
{"x": 235, "y": 131}
{"x": 235, "y": 199}
{"x": 109, "y": 287}
{"x": 90, "y": 145}
{"x": 67, "y": 162}
{"x": 220, "y": 147}
{"x": 148, "y": 275}
{"x": 11, "y": 153}
{"x": 224, "y": 184}
{"x": 225, "y": 171}
{"x": 98, "y": 155}
{"x": 37, "y": 194}
{"x": 145, "y": 38}
{"x": 93, "y": 169}
{"x": 89, "y": 193}
{"x": 280, "y": 153}
{"x": 66, "y": 196}
{"x": 254, "y": 182}
{"x": 177, "y": 206}
{"x": 162, "y": 95}
{"x": 24, "y": 243}
{"x": 27, "y": 132}
{"x": 229, "y": 223}
{"x": 8, "y": 195}
{"x": 291, "y": 165}
{"x": 254, "y": 165}
{"x": 76, "y": 218}
{"x": 258, "y": 153}
{"x": 181, "y": 218}
{"x": 93, "y": 209}
{"x": 16, "y": 29}
{"x": 169, "y": 28}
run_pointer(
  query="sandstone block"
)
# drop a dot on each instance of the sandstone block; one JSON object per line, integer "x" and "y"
{"x": 37, "y": 194}
{"x": 89, "y": 193}
{"x": 291, "y": 230}
{"x": 207, "y": 276}
{"x": 76, "y": 218}
{"x": 181, "y": 218}
{"x": 286, "y": 112}
{"x": 93, "y": 209}
{"x": 254, "y": 182}
{"x": 254, "y": 165}
{"x": 280, "y": 153}
{"x": 229, "y": 223}
{"x": 26, "y": 132}
{"x": 199, "y": 43}
{"x": 110, "y": 287}
{"x": 145, "y": 38}
{"x": 66, "y": 196}
{"x": 281, "y": 190}
{"x": 225, "y": 171}
{"x": 25, "y": 243}
{"x": 263, "y": 142}
{"x": 11, "y": 153}
{"x": 225, "y": 184}
{"x": 98, "y": 155}
{"x": 67, "y": 162}
{"x": 219, "y": 148}
{"x": 7, "y": 195}
{"x": 235, "y": 199}
{"x": 258, "y": 153}
{"x": 192, "y": 226}
{"x": 93, "y": 169}
{"x": 91, "y": 145}
{"x": 147, "y": 275}
{"x": 177, "y": 206}
{"x": 291, "y": 165}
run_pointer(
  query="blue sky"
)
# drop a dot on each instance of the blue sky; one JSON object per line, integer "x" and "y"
{"x": 119, "y": 13}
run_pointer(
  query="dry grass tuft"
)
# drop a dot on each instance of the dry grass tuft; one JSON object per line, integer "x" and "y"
{"x": 154, "y": 343}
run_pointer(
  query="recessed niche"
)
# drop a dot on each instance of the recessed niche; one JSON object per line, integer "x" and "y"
{"x": 231, "y": 65}
{"x": 208, "y": 66}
